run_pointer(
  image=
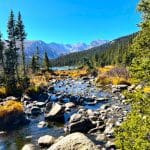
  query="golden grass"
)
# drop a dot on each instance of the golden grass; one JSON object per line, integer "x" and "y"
{"x": 111, "y": 80}
{"x": 103, "y": 77}
{"x": 3, "y": 91}
{"x": 10, "y": 107}
{"x": 105, "y": 69}
{"x": 146, "y": 89}
{"x": 72, "y": 73}
{"x": 118, "y": 80}
{"x": 40, "y": 80}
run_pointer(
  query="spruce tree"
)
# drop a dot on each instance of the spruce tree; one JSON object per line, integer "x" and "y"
{"x": 21, "y": 36}
{"x": 37, "y": 58}
{"x": 11, "y": 55}
{"x": 33, "y": 64}
{"x": 1, "y": 53}
{"x": 140, "y": 66}
{"x": 46, "y": 62}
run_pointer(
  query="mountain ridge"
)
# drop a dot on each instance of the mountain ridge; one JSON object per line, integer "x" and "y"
{"x": 55, "y": 50}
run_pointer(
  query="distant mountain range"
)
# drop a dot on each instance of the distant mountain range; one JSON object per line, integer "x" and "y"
{"x": 55, "y": 50}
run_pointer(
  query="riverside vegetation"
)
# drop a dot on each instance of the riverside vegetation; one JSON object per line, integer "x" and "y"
{"x": 120, "y": 68}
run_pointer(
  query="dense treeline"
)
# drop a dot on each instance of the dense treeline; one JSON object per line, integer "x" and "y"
{"x": 114, "y": 52}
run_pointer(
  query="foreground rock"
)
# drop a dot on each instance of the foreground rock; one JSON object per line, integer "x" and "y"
{"x": 84, "y": 125}
{"x": 29, "y": 147}
{"x": 75, "y": 141}
{"x": 46, "y": 141}
{"x": 56, "y": 113}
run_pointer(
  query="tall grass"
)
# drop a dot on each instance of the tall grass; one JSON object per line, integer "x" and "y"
{"x": 10, "y": 107}
{"x": 113, "y": 75}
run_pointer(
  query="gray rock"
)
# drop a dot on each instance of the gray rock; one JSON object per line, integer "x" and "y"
{"x": 100, "y": 137}
{"x": 46, "y": 141}
{"x": 139, "y": 87}
{"x": 132, "y": 87}
{"x": 40, "y": 104}
{"x": 48, "y": 106}
{"x": 11, "y": 98}
{"x": 69, "y": 105}
{"x": 29, "y": 147}
{"x": 102, "y": 99}
{"x": 75, "y": 117}
{"x": 29, "y": 137}
{"x": 122, "y": 86}
{"x": 122, "y": 96}
{"x": 74, "y": 141}
{"x": 25, "y": 98}
{"x": 84, "y": 125}
{"x": 105, "y": 106}
{"x": 59, "y": 138}
{"x": 56, "y": 113}
{"x": 3, "y": 133}
{"x": 110, "y": 145}
{"x": 109, "y": 131}
{"x": 81, "y": 111}
{"x": 42, "y": 124}
{"x": 98, "y": 128}
{"x": 90, "y": 112}
{"x": 114, "y": 90}
{"x": 51, "y": 88}
{"x": 35, "y": 110}
{"x": 67, "y": 109}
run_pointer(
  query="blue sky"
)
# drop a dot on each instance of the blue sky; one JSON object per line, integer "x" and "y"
{"x": 73, "y": 21}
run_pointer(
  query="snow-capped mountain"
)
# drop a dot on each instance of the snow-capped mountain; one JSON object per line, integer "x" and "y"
{"x": 54, "y": 50}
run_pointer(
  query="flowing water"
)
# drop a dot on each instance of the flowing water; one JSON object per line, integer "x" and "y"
{"x": 30, "y": 133}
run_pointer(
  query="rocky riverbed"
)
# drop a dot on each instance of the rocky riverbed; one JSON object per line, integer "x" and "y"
{"x": 69, "y": 106}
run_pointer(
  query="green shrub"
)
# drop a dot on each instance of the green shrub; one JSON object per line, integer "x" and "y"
{"x": 134, "y": 133}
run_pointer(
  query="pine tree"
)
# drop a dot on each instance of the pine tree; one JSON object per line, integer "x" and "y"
{"x": 140, "y": 66}
{"x": 46, "y": 62}
{"x": 33, "y": 64}
{"x": 37, "y": 58}
{"x": 11, "y": 55}
{"x": 1, "y": 52}
{"x": 21, "y": 36}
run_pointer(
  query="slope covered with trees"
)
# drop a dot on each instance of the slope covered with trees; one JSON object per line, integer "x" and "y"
{"x": 113, "y": 52}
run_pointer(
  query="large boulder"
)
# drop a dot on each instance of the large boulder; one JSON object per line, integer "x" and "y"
{"x": 29, "y": 147}
{"x": 56, "y": 113}
{"x": 84, "y": 125}
{"x": 74, "y": 141}
{"x": 46, "y": 141}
